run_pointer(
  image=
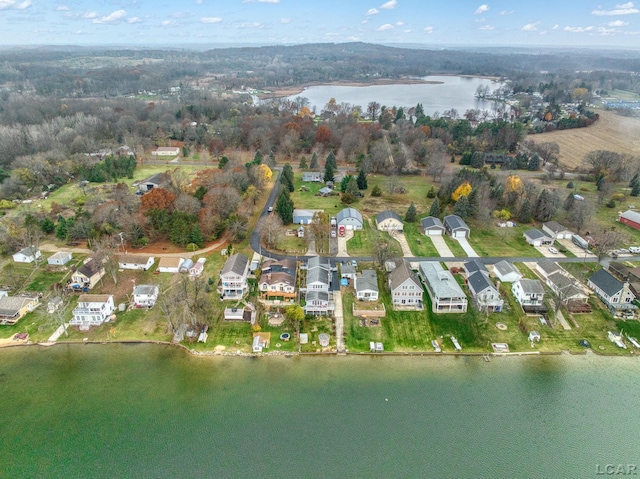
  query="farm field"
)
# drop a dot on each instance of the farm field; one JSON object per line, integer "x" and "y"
{"x": 611, "y": 132}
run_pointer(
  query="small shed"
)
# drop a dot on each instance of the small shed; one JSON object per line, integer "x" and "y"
{"x": 432, "y": 226}
{"x": 534, "y": 336}
{"x": 535, "y": 237}
{"x": 456, "y": 227}
{"x": 60, "y": 258}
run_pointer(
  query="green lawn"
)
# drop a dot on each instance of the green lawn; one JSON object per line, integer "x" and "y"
{"x": 420, "y": 244}
{"x": 454, "y": 246}
{"x": 363, "y": 241}
{"x": 496, "y": 241}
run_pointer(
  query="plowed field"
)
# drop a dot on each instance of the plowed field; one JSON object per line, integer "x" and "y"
{"x": 611, "y": 132}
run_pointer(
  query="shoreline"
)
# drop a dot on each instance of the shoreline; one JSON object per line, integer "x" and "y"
{"x": 299, "y": 89}
{"x": 289, "y": 354}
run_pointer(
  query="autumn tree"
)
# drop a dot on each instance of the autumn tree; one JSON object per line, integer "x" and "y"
{"x": 157, "y": 199}
{"x": 324, "y": 136}
{"x": 272, "y": 231}
{"x": 463, "y": 190}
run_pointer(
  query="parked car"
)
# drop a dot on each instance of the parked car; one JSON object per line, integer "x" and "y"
{"x": 553, "y": 250}
{"x": 333, "y": 233}
{"x": 634, "y": 249}
{"x": 270, "y": 209}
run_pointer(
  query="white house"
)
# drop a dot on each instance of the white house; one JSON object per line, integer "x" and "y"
{"x": 197, "y": 268}
{"x": 233, "y": 277}
{"x": 486, "y": 296}
{"x": 170, "y": 265}
{"x": 92, "y": 310}
{"x": 405, "y": 287}
{"x": 134, "y": 261}
{"x": 60, "y": 258}
{"x": 432, "y": 226}
{"x": 615, "y": 294}
{"x": 389, "y": 221}
{"x": 166, "y": 151}
{"x": 27, "y": 255}
{"x": 445, "y": 292}
{"x": 529, "y": 293}
{"x": 350, "y": 218}
{"x": 312, "y": 176}
{"x": 317, "y": 287}
{"x": 278, "y": 280}
{"x": 145, "y": 295}
{"x": 535, "y": 237}
{"x": 318, "y": 303}
{"x": 456, "y": 227}
{"x": 347, "y": 271}
{"x": 556, "y": 230}
{"x": 367, "y": 286}
{"x": 506, "y": 272}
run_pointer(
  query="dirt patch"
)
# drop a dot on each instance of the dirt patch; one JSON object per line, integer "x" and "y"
{"x": 611, "y": 132}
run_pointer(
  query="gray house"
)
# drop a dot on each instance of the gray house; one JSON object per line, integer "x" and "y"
{"x": 535, "y": 237}
{"x": 406, "y": 290}
{"x": 456, "y": 227}
{"x": 486, "y": 296}
{"x": 615, "y": 294}
{"x": 304, "y": 217}
{"x": 432, "y": 226}
{"x": 445, "y": 292}
{"x": 350, "y": 218}
{"x": 367, "y": 286}
{"x": 152, "y": 182}
{"x": 233, "y": 277}
{"x": 506, "y": 271}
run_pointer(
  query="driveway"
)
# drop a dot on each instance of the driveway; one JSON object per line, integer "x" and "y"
{"x": 337, "y": 301}
{"x": 575, "y": 249}
{"x": 342, "y": 243}
{"x": 402, "y": 239}
{"x": 441, "y": 246}
{"x": 548, "y": 254}
{"x": 467, "y": 247}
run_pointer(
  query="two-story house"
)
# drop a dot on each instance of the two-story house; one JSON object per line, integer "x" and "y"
{"x": 367, "y": 286}
{"x": 145, "y": 295}
{"x": 233, "y": 277}
{"x": 92, "y": 310}
{"x": 278, "y": 280}
{"x": 87, "y": 275}
{"x": 530, "y": 294}
{"x": 615, "y": 294}
{"x": 13, "y": 308}
{"x": 486, "y": 296}
{"x": 318, "y": 284}
{"x": 445, "y": 292}
{"x": 405, "y": 287}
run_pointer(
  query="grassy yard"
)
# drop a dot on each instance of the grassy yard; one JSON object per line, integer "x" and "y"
{"x": 496, "y": 241}
{"x": 454, "y": 246}
{"x": 363, "y": 241}
{"x": 420, "y": 244}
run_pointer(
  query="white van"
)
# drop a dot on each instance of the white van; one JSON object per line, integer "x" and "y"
{"x": 634, "y": 249}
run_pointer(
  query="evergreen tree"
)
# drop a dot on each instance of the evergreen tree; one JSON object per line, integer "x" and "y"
{"x": 272, "y": 159}
{"x": 635, "y": 191}
{"x": 287, "y": 177}
{"x": 545, "y": 206}
{"x": 376, "y": 191}
{"x": 477, "y": 160}
{"x": 473, "y": 202}
{"x": 328, "y": 172}
{"x": 410, "y": 215}
{"x": 303, "y": 163}
{"x": 352, "y": 186}
{"x": 47, "y": 225}
{"x": 196, "y": 236}
{"x": 524, "y": 215}
{"x": 331, "y": 160}
{"x": 258, "y": 158}
{"x": 62, "y": 228}
{"x": 570, "y": 185}
{"x": 600, "y": 182}
{"x": 634, "y": 181}
{"x": 462, "y": 207}
{"x": 534, "y": 163}
{"x": 569, "y": 202}
{"x": 200, "y": 192}
{"x": 223, "y": 162}
{"x": 313, "y": 165}
{"x": 284, "y": 207}
{"x": 344, "y": 183}
{"x": 435, "y": 208}
{"x": 362, "y": 180}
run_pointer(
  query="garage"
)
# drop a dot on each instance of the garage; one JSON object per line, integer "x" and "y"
{"x": 456, "y": 227}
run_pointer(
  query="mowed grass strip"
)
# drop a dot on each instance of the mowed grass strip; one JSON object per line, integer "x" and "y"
{"x": 420, "y": 244}
{"x": 496, "y": 241}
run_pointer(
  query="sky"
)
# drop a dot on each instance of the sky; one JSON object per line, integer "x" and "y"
{"x": 428, "y": 22}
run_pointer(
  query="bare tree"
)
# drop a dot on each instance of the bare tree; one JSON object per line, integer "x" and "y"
{"x": 272, "y": 231}
{"x": 606, "y": 240}
{"x": 435, "y": 158}
{"x": 580, "y": 214}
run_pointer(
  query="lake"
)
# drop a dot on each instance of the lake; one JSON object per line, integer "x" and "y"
{"x": 145, "y": 411}
{"x": 451, "y": 92}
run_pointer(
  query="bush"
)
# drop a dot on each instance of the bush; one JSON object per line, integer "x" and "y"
{"x": 570, "y": 185}
{"x": 376, "y": 191}
{"x": 431, "y": 193}
{"x": 618, "y": 197}
{"x": 584, "y": 189}
{"x": 611, "y": 204}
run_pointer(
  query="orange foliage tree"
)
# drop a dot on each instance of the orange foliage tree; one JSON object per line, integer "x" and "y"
{"x": 463, "y": 190}
{"x": 157, "y": 199}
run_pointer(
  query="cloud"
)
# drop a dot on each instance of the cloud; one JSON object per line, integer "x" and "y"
{"x": 399, "y": 23}
{"x": 579, "y": 29}
{"x": 506, "y": 12}
{"x": 63, "y": 8}
{"x": 486, "y": 27}
{"x": 251, "y": 25}
{"x": 390, "y": 5}
{"x": 90, "y": 15}
{"x": 386, "y": 26}
{"x": 591, "y": 29}
{"x": 284, "y": 21}
{"x": 373, "y": 11}
{"x": 617, "y": 23}
{"x": 210, "y": 20}
{"x": 169, "y": 23}
{"x": 13, "y": 5}
{"x": 530, "y": 27}
{"x": 481, "y": 9}
{"x": 112, "y": 17}
{"x": 622, "y": 9}
{"x": 133, "y": 20}
{"x": 429, "y": 30}
{"x": 199, "y": 2}
{"x": 408, "y": 30}
{"x": 555, "y": 27}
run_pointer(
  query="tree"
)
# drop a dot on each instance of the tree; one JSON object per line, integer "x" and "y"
{"x": 373, "y": 108}
{"x": 410, "y": 215}
{"x": 331, "y": 160}
{"x": 284, "y": 207}
{"x": 376, "y": 191}
{"x": 462, "y": 207}
{"x": 328, "y": 172}
{"x": 435, "y": 208}
{"x": 634, "y": 181}
{"x": 157, "y": 199}
{"x": 580, "y": 214}
{"x": 352, "y": 186}
{"x": 313, "y": 165}
{"x": 196, "y": 236}
{"x": 605, "y": 240}
{"x": 287, "y": 177}
{"x": 463, "y": 190}
{"x": 362, "y": 180}
{"x": 48, "y": 226}
{"x": 546, "y": 206}
{"x": 524, "y": 215}
{"x": 295, "y": 315}
{"x": 272, "y": 231}
{"x": 257, "y": 159}
{"x": 303, "y": 163}
{"x": 534, "y": 163}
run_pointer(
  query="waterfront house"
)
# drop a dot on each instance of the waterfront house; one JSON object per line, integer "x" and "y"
{"x": 432, "y": 226}
{"x": 318, "y": 284}
{"x": 347, "y": 271}
{"x": 92, "y": 310}
{"x": 27, "y": 255}
{"x": 535, "y": 237}
{"x": 197, "y": 268}
{"x": 530, "y": 294}
{"x": 405, "y": 287}
{"x": 278, "y": 280}
{"x": 170, "y": 265}
{"x": 556, "y": 230}
{"x": 545, "y": 267}
{"x": 566, "y": 288}
{"x": 135, "y": 261}
{"x": 389, "y": 221}
{"x": 60, "y": 258}
{"x": 367, "y": 286}
{"x": 318, "y": 279}
{"x": 486, "y": 296}
{"x": 506, "y": 272}
{"x": 145, "y": 295}
{"x": 14, "y": 308}
{"x": 318, "y": 303}
{"x": 445, "y": 292}
{"x": 456, "y": 227}
{"x": 233, "y": 277}
{"x": 237, "y": 314}
{"x": 87, "y": 275}
{"x": 615, "y": 294}
{"x": 350, "y": 218}
{"x": 471, "y": 267}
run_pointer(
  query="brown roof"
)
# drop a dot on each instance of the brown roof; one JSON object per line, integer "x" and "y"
{"x": 90, "y": 268}
{"x": 94, "y": 298}
{"x": 275, "y": 278}
{"x": 133, "y": 258}
{"x": 168, "y": 262}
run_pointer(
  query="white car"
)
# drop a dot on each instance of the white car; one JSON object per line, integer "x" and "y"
{"x": 553, "y": 250}
{"x": 270, "y": 209}
{"x": 634, "y": 249}
{"x": 333, "y": 233}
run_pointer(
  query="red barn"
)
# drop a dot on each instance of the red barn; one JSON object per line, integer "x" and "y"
{"x": 630, "y": 218}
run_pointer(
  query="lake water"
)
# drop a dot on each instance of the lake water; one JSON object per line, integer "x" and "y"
{"x": 452, "y": 92}
{"x": 143, "y": 411}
